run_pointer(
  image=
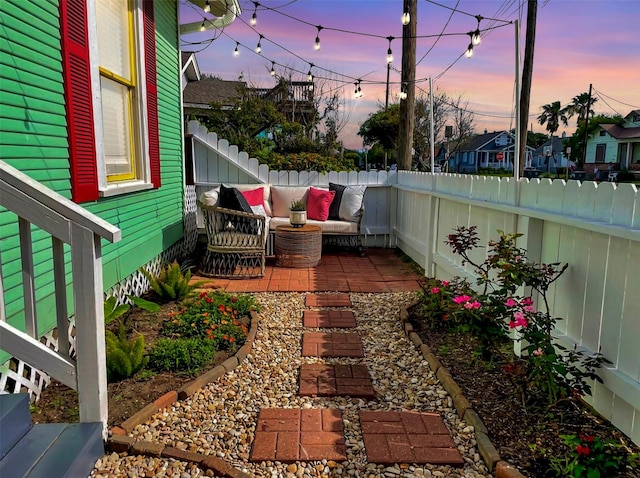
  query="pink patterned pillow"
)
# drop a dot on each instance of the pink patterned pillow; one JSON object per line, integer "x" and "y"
{"x": 318, "y": 203}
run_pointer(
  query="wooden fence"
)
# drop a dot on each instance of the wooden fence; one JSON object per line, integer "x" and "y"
{"x": 595, "y": 228}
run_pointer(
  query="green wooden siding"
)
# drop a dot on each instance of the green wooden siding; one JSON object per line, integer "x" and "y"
{"x": 33, "y": 138}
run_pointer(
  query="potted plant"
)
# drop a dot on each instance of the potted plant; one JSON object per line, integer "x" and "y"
{"x": 298, "y": 213}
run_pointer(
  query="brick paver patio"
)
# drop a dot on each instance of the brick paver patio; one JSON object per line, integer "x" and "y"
{"x": 323, "y": 380}
{"x": 290, "y": 435}
{"x": 329, "y": 319}
{"x": 407, "y": 437}
{"x": 333, "y": 344}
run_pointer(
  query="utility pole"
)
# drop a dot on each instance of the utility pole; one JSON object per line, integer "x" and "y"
{"x": 386, "y": 98}
{"x": 408, "y": 77}
{"x": 527, "y": 72}
{"x": 586, "y": 128}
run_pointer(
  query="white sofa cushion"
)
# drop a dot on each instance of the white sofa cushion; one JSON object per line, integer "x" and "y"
{"x": 283, "y": 196}
{"x": 328, "y": 227}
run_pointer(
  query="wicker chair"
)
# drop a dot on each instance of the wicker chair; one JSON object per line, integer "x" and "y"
{"x": 235, "y": 243}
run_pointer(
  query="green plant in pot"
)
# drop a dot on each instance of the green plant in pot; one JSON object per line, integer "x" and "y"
{"x": 298, "y": 213}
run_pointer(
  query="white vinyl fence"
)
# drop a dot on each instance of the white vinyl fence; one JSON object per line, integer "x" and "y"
{"x": 595, "y": 228}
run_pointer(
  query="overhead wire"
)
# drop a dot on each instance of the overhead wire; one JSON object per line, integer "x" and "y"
{"x": 613, "y": 99}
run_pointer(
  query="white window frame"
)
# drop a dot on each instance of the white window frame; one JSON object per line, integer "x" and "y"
{"x": 140, "y": 131}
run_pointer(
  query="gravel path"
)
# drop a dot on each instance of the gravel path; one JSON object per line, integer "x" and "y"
{"x": 220, "y": 419}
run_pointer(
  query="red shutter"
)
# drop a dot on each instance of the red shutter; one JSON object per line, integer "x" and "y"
{"x": 79, "y": 105}
{"x": 152, "y": 90}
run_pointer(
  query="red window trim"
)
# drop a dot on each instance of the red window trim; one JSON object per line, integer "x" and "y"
{"x": 79, "y": 102}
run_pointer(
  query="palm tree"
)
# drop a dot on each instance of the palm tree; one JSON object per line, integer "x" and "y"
{"x": 579, "y": 105}
{"x": 552, "y": 114}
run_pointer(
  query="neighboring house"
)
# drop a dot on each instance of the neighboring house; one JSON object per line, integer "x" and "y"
{"x": 549, "y": 156}
{"x": 91, "y": 108}
{"x": 198, "y": 95}
{"x": 190, "y": 68}
{"x": 614, "y": 147}
{"x": 489, "y": 150}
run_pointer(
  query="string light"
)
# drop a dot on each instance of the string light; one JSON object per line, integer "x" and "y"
{"x": 236, "y": 52}
{"x": 406, "y": 18}
{"x": 202, "y": 26}
{"x": 403, "y": 92}
{"x": 358, "y": 91}
{"x": 207, "y": 6}
{"x": 317, "y": 44}
{"x": 469, "y": 52}
{"x": 254, "y": 17}
{"x": 259, "y": 45}
{"x": 310, "y": 75}
{"x": 389, "y": 52}
{"x": 273, "y": 71}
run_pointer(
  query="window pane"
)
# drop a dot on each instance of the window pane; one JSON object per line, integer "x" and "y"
{"x": 114, "y": 37}
{"x": 116, "y": 118}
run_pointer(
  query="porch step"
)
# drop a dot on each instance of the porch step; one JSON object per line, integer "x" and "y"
{"x": 45, "y": 450}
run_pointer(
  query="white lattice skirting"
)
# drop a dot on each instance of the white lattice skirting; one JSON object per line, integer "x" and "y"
{"x": 17, "y": 376}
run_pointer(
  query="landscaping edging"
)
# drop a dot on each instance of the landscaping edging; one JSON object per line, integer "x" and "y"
{"x": 488, "y": 452}
{"x": 119, "y": 441}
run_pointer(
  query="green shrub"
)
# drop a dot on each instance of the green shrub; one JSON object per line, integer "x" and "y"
{"x": 124, "y": 357}
{"x": 171, "y": 283}
{"x": 187, "y": 355}
{"x": 112, "y": 311}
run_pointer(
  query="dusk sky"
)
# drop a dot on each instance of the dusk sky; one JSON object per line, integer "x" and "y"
{"x": 577, "y": 42}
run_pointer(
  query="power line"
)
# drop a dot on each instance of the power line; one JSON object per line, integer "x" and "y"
{"x": 613, "y": 99}
{"x": 466, "y": 13}
{"x": 438, "y": 39}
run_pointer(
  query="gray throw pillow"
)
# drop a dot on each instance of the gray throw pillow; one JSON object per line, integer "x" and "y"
{"x": 347, "y": 202}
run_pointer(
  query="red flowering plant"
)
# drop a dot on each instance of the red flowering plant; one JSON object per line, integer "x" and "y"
{"x": 437, "y": 308}
{"x": 590, "y": 457}
{"x": 216, "y": 316}
{"x": 497, "y": 312}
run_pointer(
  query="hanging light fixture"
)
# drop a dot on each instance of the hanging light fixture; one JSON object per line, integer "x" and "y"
{"x": 403, "y": 92}
{"x": 355, "y": 91}
{"x": 317, "y": 44}
{"x": 236, "y": 52}
{"x": 254, "y": 17}
{"x": 406, "y": 18}
{"x": 389, "y": 52}
{"x": 273, "y": 70}
{"x": 202, "y": 26}
{"x": 309, "y": 74}
{"x": 259, "y": 45}
{"x": 207, "y": 6}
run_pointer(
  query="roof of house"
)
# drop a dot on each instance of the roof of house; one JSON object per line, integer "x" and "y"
{"x": 212, "y": 90}
{"x": 190, "y": 65}
{"x": 477, "y": 142}
{"x": 619, "y": 132}
{"x": 557, "y": 146}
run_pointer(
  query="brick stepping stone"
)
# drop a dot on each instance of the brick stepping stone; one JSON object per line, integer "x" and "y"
{"x": 329, "y": 318}
{"x": 334, "y": 344}
{"x": 290, "y": 435}
{"x": 328, "y": 300}
{"x": 332, "y": 380}
{"x": 408, "y": 437}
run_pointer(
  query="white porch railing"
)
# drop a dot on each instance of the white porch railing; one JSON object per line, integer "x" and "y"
{"x": 69, "y": 224}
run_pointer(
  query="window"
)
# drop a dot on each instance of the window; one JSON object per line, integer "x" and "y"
{"x": 109, "y": 59}
{"x": 635, "y": 153}
{"x": 116, "y": 49}
{"x": 603, "y": 132}
{"x": 601, "y": 151}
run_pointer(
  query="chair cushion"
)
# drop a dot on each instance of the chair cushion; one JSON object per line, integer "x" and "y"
{"x": 231, "y": 198}
{"x": 347, "y": 202}
{"x": 328, "y": 227}
{"x": 318, "y": 203}
{"x": 283, "y": 196}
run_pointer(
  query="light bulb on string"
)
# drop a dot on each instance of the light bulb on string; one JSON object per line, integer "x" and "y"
{"x": 236, "y": 52}
{"x": 389, "y": 52}
{"x": 316, "y": 46}
{"x": 310, "y": 75}
{"x": 469, "y": 52}
{"x": 406, "y": 18}
{"x": 207, "y": 6}
{"x": 403, "y": 92}
{"x": 202, "y": 26}
{"x": 254, "y": 17}
{"x": 273, "y": 70}
{"x": 259, "y": 45}
{"x": 475, "y": 36}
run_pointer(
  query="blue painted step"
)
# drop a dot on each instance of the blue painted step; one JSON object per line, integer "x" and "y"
{"x": 49, "y": 449}
{"x": 15, "y": 420}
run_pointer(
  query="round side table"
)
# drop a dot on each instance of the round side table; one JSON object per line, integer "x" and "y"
{"x": 298, "y": 246}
